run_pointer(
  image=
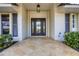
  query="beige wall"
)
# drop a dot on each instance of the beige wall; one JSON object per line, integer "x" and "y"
{"x": 60, "y": 22}
{"x": 59, "y": 26}
{"x": 24, "y": 22}
{"x": 34, "y": 14}
{"x": 57, "y": 23}
{"x": 20, "y": 22}
{"x": 52, "y": 21}
{"x": 75, "y": 21}
{"x": 19, "y": 12}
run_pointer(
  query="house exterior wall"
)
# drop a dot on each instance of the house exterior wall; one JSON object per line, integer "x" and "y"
{"x": 10, "y": 25}
{"x": 42, "y": 14}
{"x": 19, "y": 23}
{"x": 55, "y": 27}
{"x": 22, "y": 22}
{"x": 55, "y": 22}
{"x": 52, "y": 21}
{"x": 75, "y": 22}
{"x": 59, "y": 24}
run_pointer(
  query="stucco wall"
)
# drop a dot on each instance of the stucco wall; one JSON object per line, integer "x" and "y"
{"x": 24, "y": 22}
{"x": 55, "y": 22}
{"x": 34, "y": 14}
{"x": 52, "y": 22}
{"x": 59, "y": 25}
{"x": 75, "y": 22}
{"x": 20, "y": 22}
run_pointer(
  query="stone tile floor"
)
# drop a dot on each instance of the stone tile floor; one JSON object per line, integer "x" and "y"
{"x": 39, "y": 47}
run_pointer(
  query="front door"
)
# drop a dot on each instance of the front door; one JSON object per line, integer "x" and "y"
{"x": 38, "y": 26}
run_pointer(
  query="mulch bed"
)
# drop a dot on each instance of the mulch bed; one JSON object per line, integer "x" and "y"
{"x": 2, "y": 49}
{"x": 76, "y": 49}
{"x": 71, "y": 47}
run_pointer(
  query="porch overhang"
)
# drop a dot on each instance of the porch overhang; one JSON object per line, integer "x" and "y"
{"x": 69, "y": 8}
{"x": 7, "y": 8}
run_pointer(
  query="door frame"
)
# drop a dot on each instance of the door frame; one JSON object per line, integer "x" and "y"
{"x": 45, "y": 26}
{"x": 42, "y": 14}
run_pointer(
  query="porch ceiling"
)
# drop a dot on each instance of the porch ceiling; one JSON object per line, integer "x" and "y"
{"x": 32, "y": 6}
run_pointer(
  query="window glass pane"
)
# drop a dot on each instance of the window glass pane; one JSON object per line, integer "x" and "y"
{"x": 44, "y": 28}
{"x": 73, "y": 20}
{"x": 15, "y": 26}
{"x": 67, "y": 22}
{"x": 32, "y": 26}
{"x": 38, "y": 26}
{"x": 5, "y": 23}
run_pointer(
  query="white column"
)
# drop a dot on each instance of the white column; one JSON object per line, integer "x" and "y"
{"x": 10, "y": 22}
{"x": 20, "y": 23}
{"x": 75, "y": 22}
{"x": 78, "y": 22}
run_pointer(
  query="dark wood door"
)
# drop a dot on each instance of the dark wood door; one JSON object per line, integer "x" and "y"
{"x": 38, "y": 26}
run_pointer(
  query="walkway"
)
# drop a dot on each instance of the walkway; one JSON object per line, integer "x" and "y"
{"x": 39, "y": 47}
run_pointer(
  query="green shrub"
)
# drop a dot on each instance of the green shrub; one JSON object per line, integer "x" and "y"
{"x": 8, "y": 38}
{"x": 5, "y": 40}
{"x": 72, "y": 39}
{"x": 1, "y": 40}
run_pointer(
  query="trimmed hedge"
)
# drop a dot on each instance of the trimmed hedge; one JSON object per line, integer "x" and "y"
{"x": 72, "y": 39}
{"x": 5, "y": 40}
